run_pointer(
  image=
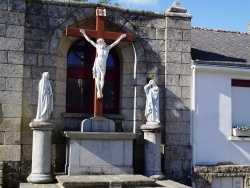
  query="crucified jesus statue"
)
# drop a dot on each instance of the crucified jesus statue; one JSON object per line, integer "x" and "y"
{"x": 99, "y": 68}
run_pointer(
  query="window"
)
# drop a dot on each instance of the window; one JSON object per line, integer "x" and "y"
{"x": 80, "y": 82}
{"x": 240, "y": 102}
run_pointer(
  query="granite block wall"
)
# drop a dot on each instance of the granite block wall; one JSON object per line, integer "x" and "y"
{"x": 33, "y": 41}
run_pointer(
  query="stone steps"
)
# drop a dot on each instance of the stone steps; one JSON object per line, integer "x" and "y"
{"x": 105, "y": 181}
{"x": 110, "y": 181}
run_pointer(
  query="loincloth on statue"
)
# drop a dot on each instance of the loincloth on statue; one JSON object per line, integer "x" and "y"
{"x": 98, "y": 68}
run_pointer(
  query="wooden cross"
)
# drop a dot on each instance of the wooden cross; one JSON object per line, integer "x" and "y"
{"x": 98, "y": 33}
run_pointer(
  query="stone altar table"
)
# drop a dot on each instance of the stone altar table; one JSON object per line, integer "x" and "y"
{"x": 106, "y": 153}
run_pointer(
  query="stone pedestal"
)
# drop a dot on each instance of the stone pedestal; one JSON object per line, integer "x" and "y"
{"x": 152, "y": 137}
{"x": 41, "y": 152}
{"x": 98, "y": 149}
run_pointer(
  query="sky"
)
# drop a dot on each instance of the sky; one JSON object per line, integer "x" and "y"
{"x": 229, "y": 15}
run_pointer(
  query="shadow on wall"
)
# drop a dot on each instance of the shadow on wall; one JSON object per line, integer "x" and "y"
{"x": 149, "y": 66}
{"x": 178, "y": 151}
{"x": 175, "y": 113}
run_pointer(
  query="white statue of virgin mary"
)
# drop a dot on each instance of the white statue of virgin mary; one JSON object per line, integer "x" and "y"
{"x": 45, "y": 99}
{"x": 152, "y": 103}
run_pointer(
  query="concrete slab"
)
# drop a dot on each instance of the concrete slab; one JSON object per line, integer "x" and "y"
{"x": 104, "y": 181}
{"x": 170, "y": 184}
{"x": 31, "y": 185}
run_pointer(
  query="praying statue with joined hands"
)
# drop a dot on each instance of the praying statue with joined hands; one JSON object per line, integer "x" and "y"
{"x": 152, "y": 102}
{"x": 45, "y": 99}
{"x": 99, "y": 68}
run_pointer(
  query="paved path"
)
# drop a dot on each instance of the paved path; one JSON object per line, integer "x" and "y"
{"x": 170, "y": 184}
{"x": 104, "y": 181}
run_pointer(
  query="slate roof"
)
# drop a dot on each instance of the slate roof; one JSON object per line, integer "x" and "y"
{"x": 220, "y": 47}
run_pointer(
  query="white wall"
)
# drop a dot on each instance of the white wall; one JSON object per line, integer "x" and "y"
{"x": 212, "y": 119}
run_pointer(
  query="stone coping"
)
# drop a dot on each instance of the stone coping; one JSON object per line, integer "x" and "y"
{"x": 104, "y": 181}
{"x": 116, "y": 8}
{"x": 222, "y": 169}
{"x": 94, "y": 5}
{"x": 100, "y": 135}
{"x": 209, "y": 172}
{"x": 182, "y": 15}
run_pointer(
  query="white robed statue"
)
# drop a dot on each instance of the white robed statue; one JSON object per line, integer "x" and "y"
{"x": 152, "y": 111}
{"x": 45, "y": 99}
{"x": 99, "y": 68}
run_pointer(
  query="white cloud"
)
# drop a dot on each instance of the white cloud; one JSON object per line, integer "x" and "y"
{"x": 139, "y": 2}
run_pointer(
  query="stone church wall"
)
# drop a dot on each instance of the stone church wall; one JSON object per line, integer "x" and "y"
{"x": 12, "y": 26}
{"x": 33, "y": 41}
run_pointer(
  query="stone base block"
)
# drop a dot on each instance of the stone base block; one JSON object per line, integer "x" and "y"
{"x": 40, "y": 178}
{"x": 99, "y": 170}
{"x": 98, "y": 124}
{"x": 215, "y": 175}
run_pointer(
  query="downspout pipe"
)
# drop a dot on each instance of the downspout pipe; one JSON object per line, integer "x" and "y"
{"x": 192, "y": 125}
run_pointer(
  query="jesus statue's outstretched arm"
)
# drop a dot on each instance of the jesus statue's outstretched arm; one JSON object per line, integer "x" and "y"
{"x": 117, "y": 41}
{"x": 87, "y": 38}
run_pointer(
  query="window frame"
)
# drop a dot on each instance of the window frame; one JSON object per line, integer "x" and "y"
{"x": 242, "y": 83}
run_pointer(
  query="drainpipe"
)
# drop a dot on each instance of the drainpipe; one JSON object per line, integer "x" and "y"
{"x": 135, "y": 93}
{"x": 192, "y": 126}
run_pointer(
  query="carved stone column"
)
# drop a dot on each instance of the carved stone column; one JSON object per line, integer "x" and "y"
{"x": 152, "y": 138}
{"x": 41, "y": 152}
